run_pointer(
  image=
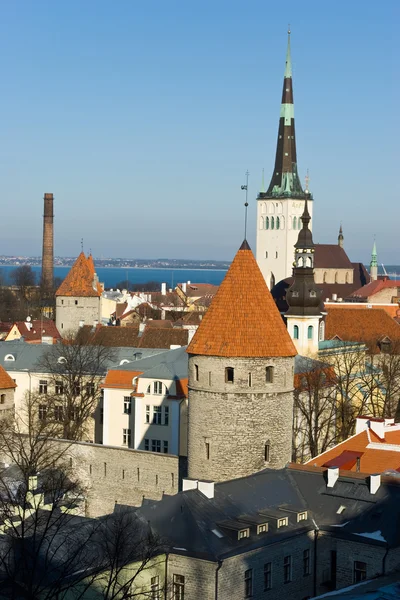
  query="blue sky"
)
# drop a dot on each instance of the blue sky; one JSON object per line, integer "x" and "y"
{"x": 142, "y": 118}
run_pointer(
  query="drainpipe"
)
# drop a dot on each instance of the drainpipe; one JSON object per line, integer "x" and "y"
{"x": 166, "y": 576}
{"x": 216, "y": 578}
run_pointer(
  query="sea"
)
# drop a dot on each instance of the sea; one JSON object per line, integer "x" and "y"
{"x": 112, "y": 276}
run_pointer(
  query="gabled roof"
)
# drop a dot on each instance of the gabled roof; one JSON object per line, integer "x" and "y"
{"x": 331, "y": 256}
{"x": 113, "y": 336}
{"x": 357, "y": 324}
{"x": 196, "y": 290}
{"x": 120, "y": 378}
{"x": 243, "y": 319}
{"x": 33, "y": 331}
{"x": 80, "y": 281}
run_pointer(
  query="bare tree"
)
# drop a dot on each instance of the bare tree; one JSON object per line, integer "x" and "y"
{"x": 24, "y": 278}
{"x": 314, "y": 415}
{"x": 72, "y": 394}
{"x": 48, "y": 548}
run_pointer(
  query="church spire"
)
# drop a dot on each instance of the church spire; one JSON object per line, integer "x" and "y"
{"x": 341, "y": 237}
{"x": 285, "y": 180}
{"x": 373, "y": 266}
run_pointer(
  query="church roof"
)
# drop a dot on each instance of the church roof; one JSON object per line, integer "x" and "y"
{"x": 80, "y": 281}
{"x": 331, "y": 256}
{"x": 243, "y": 319}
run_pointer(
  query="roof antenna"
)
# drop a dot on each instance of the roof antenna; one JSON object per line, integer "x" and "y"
{"x": 246, "y": 204}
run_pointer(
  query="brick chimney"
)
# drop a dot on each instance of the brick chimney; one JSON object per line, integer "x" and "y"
{"x": 48, "y": 244}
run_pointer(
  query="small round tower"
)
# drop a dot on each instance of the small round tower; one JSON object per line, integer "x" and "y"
{"x": 241, "y": 363}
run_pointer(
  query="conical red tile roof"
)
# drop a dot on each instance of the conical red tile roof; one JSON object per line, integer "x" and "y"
{"x": 80, "y": 280}
{"x": 243, "y": 319}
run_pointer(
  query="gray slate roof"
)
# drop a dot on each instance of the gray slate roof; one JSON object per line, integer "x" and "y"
{"x": 189, "y": 519}
{"x": 166, "y": 364}
{"x": 27, "y": 356}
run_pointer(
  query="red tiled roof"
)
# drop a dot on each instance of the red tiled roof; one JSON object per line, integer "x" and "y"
{"x": 6, "y": 382}
{"x": 80, "y": 280}
{"x": 243, "y": 319}
{"x": 358, "y": 324}
{"x": 391, "y": 309}
{"x": 372, "y": 460}
{"x": 195, "y": 290}
{"x": 120, "y": 379}
{"x": 159, "y": 323}
{"x": 39, "y": 328}
{"x": 375, "y": 286}
{"x": 157, "y": 337}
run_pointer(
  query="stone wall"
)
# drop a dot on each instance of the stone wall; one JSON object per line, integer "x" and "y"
{"x": 119, "y": 475}
{"x": 229, "y": 424}
{"x": 69, "y": 314}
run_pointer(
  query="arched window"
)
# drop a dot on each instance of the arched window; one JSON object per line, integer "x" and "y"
{"x": 294, "y": 223}
{"x": 263, "y": 208}
{"x": 261, "y": 222}
{"x": 325, "y": 277}
{"x": 282, "y": 222}
{"x": 272, "y": 223}
{"x": 296, "y": 332}
{"x": 347, "y": 277}
{"x": 310, "y": 332}
{"x": 271, "y": 208}
{"x": 269, "y": 374}
{"x": 266, "y": 254}
{"x": 322, "y": 331}
{"x": 266, "y": 222}
{"x": 278, "y": 223}
{"x": 336, "y": 277}
{"x": 2, "y": 398}
{"x": 272, "y": 281}
{"x": 267, "y": 449}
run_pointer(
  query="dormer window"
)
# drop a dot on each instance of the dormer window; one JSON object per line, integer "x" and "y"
{"x": 302, "y": 516}
{"x": 243, "y": 533}
{"x": 282, "y": 522}
{"x": 10, "y": 357}
{"x": 262, "y": 528}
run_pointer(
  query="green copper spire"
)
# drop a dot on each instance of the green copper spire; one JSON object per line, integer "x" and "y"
{"x": 288, "y": 67}
{"x": 374, "y": 256}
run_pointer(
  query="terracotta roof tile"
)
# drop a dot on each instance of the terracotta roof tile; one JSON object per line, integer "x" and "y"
{"x": 360, "y": 324}
{"x": 122, "y": 379}
{"x": 39, "y": 328}
{"x": 6, "y": 382}
{"x": 372, "y": 460}
{"x": 121, "y": 337}
{"x": 375, "y": 286}
{"x": 243, "y": 319}
{"x": 156, "y": 337}
{"x": 80, "y": 280}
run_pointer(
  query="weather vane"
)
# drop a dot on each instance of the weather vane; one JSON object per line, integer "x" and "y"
{"x": 246, "y": 204}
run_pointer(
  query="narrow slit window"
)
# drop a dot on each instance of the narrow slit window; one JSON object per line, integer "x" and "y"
{"x": 269, "y": 374}
{"x": 229, "y": 375}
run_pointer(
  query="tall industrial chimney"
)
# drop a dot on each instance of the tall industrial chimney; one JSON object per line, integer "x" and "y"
{"x": 48, "y": 244}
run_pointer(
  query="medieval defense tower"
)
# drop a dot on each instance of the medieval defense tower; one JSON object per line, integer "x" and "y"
{"x": 241, "y": 362}
{"x": 280, "y": 207}
{"x": 48, "y": 244}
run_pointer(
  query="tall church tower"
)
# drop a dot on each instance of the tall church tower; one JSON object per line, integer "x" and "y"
{"x": 241, "y": 362}
{"x": 304, "y": 297}
{"x": 279, "y": 208}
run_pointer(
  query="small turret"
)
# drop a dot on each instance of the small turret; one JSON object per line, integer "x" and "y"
{"x": 340, "y": 237}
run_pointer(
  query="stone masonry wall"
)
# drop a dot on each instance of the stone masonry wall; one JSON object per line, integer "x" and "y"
{"x": 119, "y": 475}
{"x": 233, "y": 421}
{"x": 68, "y": 314}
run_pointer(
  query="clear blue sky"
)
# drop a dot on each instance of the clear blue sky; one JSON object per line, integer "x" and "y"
{"x": 142, "y": 118}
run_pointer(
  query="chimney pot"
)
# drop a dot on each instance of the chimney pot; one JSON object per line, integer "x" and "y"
{"x": 374, "y": 483}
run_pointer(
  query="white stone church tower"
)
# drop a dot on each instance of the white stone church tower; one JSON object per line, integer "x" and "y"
{"x": 279, "y": 209}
